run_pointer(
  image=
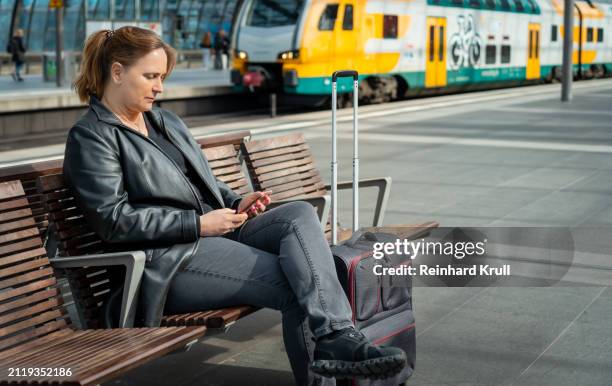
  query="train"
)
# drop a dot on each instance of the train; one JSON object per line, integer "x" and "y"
{"x": 406, "y": 47}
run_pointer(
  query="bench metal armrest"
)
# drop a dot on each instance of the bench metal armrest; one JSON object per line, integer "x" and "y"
{"x": 321, "y": 203}
{"x": 384, "y": 188}
{"x": 134, "y": 263}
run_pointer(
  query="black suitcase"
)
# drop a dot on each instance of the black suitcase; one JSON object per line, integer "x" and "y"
{"x": 382, "y": 305}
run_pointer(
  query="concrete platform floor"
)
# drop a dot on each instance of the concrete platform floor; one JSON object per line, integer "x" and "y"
{"x": 508, "y": 157}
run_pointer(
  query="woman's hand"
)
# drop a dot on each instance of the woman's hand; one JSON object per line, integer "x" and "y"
{"x": 254, "y": 203}
{"x": 221, "y": 221}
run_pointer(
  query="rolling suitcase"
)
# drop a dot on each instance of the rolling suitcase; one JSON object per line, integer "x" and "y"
{"x": 381, "y": 305}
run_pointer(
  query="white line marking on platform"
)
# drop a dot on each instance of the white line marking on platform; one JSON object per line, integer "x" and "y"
{"x": 448, "y": 140}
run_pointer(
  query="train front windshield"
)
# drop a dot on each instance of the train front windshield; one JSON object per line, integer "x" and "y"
{"x": 274, "y": 13}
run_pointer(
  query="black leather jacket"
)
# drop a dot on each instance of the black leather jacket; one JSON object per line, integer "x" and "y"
{"x": 136, "y": 198}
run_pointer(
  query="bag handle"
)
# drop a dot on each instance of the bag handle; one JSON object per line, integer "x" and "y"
{"x": 334, "y": 162}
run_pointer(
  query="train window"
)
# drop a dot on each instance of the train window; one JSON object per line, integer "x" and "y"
{"x": 441, "y": 46}
{"x": 458, "y": 2}
{"x": 536, "y": 35}
{"x": 530, "y": 47}
{"x": 432, "y": 32}
{"x": 328, "y": 18}
{"x": 505, "y": 54}
{"x": 347, "y": 21}
{"x": 553, "y": 33}
{"x": 600, "y": 35}
{"x": 490, "y": 54}
{"x": 519, "y": 6}
{"x": 390, "y": 26}
{"x": 274, "y": 13}
{"x": 505, "y": 5}
{"x": 590, "y": 34}
{"x": 490, "y": 4}
{"x": 475, "y": 3}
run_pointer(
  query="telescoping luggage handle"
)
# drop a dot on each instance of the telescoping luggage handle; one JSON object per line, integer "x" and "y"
{"x": 334, "y": 161}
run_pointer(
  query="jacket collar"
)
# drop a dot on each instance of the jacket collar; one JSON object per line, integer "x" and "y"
{"x": 105, "y": 115}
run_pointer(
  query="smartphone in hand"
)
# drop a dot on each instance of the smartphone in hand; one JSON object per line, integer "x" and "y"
{"x": 253, "y": 200}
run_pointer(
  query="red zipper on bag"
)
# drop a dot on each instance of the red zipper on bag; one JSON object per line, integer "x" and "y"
{"x": 391, "y": 335}
{"x": 352, "y": 267}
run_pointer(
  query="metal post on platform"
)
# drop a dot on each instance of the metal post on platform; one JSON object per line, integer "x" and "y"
{"x": 59, "y": 40}
{"x": 273, "y": 105}
{"x": 567, "y": 75}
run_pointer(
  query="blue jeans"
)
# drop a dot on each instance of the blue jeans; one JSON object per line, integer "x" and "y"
{"x": 279, "y": 259}
{"x": 18, "y": 66}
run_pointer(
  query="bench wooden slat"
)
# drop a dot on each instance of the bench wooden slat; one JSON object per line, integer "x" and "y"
{"x": 33, "y": 334}
{"x": 220, "y": 152}
{"x": 24, "y": 267}
{"x": 25, "y": 278}
{"x": 32, "y": 287}
{"x": 15, "y": 214}
{"x": 39, "y": 252}
{"x": 15, "y": 225}
{"x": 12, "y": 204}
{"x": 238, "y": 183}
{"x": 281, "y": 158}
{"x": 223, "y": 162}
{"x": 271, "y": 183}
{"x": 234, "y": 169}
{"x": 316, "y": 180}
{"x": 274, "y": 143}
{"x": 31, "y": 299}
{"x": 284, "y": 165}
{"x": 20, "y": 246}
{"x": 222, "y": 318}
{"x": 51, "y": 182}
{"x": 234, "y": 139}
{"x": 309, "y": 190}
{"x": 286, "y": 172}
{"x": 18, "y": 235}
{"x": 39, "y": 307}
{"x": 255, "y": 156}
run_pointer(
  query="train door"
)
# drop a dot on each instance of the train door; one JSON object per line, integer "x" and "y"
{"x": 533, "y": 54}
{"x": 435, "y": 55}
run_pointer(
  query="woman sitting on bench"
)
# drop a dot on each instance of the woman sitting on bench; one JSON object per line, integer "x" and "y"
{"x": 144, "y": 184}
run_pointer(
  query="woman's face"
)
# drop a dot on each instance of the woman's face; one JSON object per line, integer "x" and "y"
{"x": 140, "y": 83}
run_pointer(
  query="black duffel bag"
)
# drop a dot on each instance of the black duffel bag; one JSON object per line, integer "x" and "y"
{"x": 382, "y": 305}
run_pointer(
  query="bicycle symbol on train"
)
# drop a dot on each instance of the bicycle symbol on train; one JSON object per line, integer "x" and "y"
{"x": 465, "y": 45}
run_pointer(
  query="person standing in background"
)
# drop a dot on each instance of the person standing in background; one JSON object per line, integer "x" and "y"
{"x": 206, "y": 45}
{"x": 17, "y": 50}
{"x": 221, "y": 50}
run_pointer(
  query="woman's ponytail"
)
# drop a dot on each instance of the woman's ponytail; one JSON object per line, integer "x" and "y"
{"x": 92, "y": 77}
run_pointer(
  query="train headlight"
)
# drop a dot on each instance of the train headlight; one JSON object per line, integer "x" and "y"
{"x": 287, "y": 55}
{"x": 241, "y": 55}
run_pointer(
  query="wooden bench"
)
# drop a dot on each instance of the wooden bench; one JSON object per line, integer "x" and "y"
{"x": 35, "y": 331}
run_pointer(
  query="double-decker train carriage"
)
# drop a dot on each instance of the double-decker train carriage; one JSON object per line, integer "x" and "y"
{"x": 403, "y": 47}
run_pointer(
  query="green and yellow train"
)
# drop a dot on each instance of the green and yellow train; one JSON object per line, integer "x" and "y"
{"x": 401, "y": 47}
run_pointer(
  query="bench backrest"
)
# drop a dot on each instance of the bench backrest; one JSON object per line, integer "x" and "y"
{"x": 283, "y": 165}
{"x": 27, "y": 175}
{"x": 74, "y": 237}
{"x": 30, "y": 302}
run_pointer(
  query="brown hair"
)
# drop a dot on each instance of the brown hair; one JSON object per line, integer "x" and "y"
{"x": 125, "y": 45}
